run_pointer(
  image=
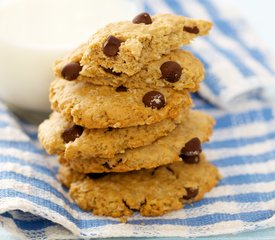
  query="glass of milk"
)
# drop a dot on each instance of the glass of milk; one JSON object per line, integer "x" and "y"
{"x": 33, "y": 33}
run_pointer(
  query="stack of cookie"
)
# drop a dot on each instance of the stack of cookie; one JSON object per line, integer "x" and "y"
{"x": 122, "y": 126}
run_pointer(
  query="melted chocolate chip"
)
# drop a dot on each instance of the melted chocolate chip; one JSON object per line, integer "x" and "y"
{"x": 111, "y": 46}
{"x": 193, "y": 30}
{"x": 110, "y": 129}
{"x": 142, "y": 18}
{"x": 171, "y": 71}
{"x": 191, "y": 193}
{"x": 190, "y": 159}
{"x": 154, "y": 100}
{"x": 109, "y": 70}
{"x": 70, "y": 134}
{"x": 192, "y": 148}
{"x": 121, "y": 88}
{"x": 71, "y": 71}
{"x": 96, "y": 175}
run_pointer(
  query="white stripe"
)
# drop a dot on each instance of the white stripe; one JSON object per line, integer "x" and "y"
{"x": 253, "y": 168}
{"x": 8, "y": 119}
{"x": 29, "y": 172}
{"x": 231, "y": 190}
{"x": 251, "y": 105}
{"x": 13, "y": 134}
{"x": 243, "y": 131}
{"x": 169, "y": 230}
{"x": 32, "y": 158}
{"x": 250, "y": 150}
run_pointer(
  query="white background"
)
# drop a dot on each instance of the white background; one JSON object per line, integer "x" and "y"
{"x": 261, "y": 14}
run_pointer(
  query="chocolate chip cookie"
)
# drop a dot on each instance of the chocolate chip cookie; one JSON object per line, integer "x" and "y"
{"x": 93, "y": 106}
{"x": 125, "y": 47}
{"x": 61, "y": 137}
{"x": 174, "y": 147}
{"x": 178, "y": 70}
{"x": 152, "y": 192}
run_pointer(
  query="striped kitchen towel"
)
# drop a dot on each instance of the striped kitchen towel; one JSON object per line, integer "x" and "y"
{"x": 34, "y": 205}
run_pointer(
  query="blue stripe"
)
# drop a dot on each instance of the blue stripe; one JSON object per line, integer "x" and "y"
{"x": 30, "y": 225}
{"x": 175, "y": 6}
{"x": 24, "y": 146}
{"x": 244, "y": 118}
{"x": 239, "y": 142}
{"x": 245, "y": 159}
{"x": 248, "y": 179}
{"x": 231, "y": 56}
{"x": 239, "y": 63}
{"x": 208, "y": 219}
{"x": 10, "y": 193}
{"x": 32, "y": 135}
{"x": 229, "y": 31}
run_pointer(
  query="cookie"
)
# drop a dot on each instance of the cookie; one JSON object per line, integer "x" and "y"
{"x": 163, "y": 151}
{"x": 93, "y": 106}
{"x": 125, "y": 47}
{"x": 61, "y": 137}
{"x": 178, "y": 70}
{"x": 152, "y": 192}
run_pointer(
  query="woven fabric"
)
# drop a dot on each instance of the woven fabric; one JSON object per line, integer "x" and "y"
{"x": 34, "y": 205}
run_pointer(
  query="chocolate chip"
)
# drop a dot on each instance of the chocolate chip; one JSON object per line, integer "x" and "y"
{"x": 71, "y": 71}
{"x": 110, "y": 129}
{"x": 119, "y": 161}
{"x": 106, "y": 165}
{"x": 171, "y": 71}
{"x": 190, "y": 159}
{"x": 121, "y": 88}
{"x": 191, "y": 193}
{"x": 96, "y": 175}
{"x": 193, "y": 30}
{"x": 70, "y": 134}
{"x": 142, "y": 18}
{"x": 111, "y": 46}
{"x": 109, "y": 70}
{"x": 192, "y": 148}
{"x": 154, "y": 99}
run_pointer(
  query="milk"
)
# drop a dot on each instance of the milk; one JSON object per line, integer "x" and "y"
{"x": 33, "y": 33}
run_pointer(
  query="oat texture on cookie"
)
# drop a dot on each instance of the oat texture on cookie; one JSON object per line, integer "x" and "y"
{"x": 122, "y": 126}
